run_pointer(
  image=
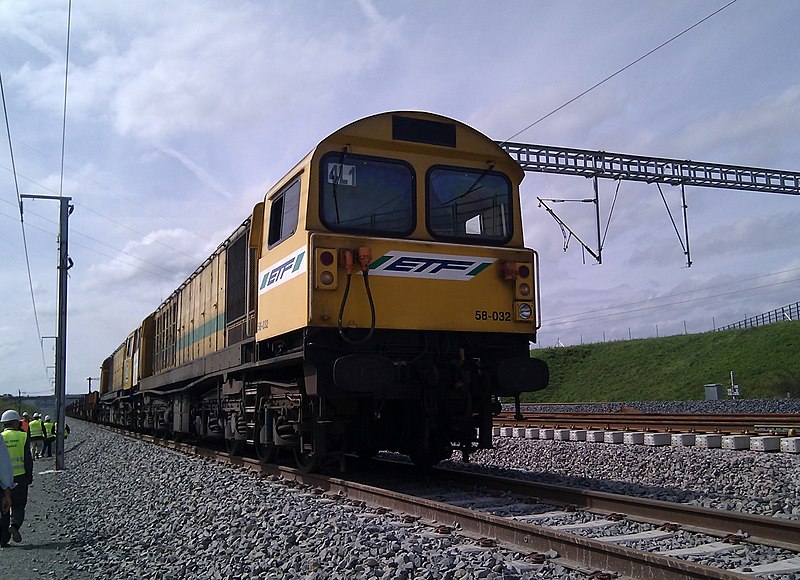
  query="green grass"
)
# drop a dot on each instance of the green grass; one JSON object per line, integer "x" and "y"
{"x": 765, "y": 360}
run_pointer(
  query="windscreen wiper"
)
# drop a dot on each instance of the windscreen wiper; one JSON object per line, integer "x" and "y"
{"x": 474, "y": 186}
{"x": 336, "y": 182}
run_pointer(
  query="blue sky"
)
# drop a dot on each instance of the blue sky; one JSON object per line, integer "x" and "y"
{"x": 181, "y": 114}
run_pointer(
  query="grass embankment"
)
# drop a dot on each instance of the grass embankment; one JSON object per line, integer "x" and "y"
{"x": 765, "y": 360}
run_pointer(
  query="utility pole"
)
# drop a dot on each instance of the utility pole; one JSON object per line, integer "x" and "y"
{"x": 90, "y": 379}
{"x": 64, "y": 264}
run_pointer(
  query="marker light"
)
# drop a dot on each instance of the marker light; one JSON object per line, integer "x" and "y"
{"x": 524, "y": 271}
{"x": 326, "y": 275}
{"x": 524, "y": 289}
{"x": 326, "y": 258}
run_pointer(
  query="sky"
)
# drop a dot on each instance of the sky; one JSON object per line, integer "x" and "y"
{"x": 181, "y": 114}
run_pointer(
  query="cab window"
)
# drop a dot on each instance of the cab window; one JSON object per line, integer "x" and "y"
{"x": 469, "y": 205}
{"x": 283, "y": 214}
{"x": 372, "y": 194}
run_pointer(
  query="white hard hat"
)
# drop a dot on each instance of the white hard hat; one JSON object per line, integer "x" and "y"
{"x": 25, "y": 414}
{"x": 8, "y": 416}
{"x": 36, "y": 415}
{"x": 47, "y": 417}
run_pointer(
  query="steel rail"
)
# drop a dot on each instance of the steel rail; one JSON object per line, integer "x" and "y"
{"x": 574, "y": 551}
{"x": 710, "y": 423}
{"x": 775, "y": 532}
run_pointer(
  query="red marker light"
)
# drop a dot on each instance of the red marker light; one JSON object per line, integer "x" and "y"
{"x": 524, "y": 271}
{"x": 326, "y": 258}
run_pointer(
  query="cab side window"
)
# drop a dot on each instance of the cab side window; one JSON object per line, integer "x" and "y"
{"x": 283, "y": 214}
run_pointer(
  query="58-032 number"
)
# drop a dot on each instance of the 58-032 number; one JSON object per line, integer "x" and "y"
{"x": 494, "y": 315}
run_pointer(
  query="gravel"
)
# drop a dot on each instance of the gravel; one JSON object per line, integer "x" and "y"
{"x": 129, "y": 510}
{"x": 124, "y": 509}
{"x": 738, "y": 406}
{"x": 746, "y": 481}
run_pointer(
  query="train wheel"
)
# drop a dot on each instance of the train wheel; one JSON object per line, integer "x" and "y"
{"x": 424, "y": 460}
{"x": 234, "y": 446}
{"x": 367, "y": 453}
{"x": 266, "y": 452}
{"x": 438, "y": 449}
{"x": 306, "y": 463}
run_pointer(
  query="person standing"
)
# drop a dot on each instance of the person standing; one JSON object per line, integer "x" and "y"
{"x": 36, "y": 435}
{"x": 19, "y": 450}
{"x": 6, "y": 477}
{"x": 24, "y": 422}
{"x": 49, "y": 435}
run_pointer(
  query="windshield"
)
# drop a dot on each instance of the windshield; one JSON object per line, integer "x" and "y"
{"x": 372, "y": 194}
{"x": 469, "y": 205}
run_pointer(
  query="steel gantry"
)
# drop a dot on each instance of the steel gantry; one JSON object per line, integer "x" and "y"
{"x": 622, "y": 167}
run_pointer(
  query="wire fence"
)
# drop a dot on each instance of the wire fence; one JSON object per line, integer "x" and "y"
{"x": 790, "y": 312}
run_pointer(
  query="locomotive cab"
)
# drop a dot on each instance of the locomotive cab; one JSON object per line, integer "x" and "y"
{"x": 392, "y": 258}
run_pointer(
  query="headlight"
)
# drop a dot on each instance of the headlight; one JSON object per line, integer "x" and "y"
{"x": 524, "y": 311}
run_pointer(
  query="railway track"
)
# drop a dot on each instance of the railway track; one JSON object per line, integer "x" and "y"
{"x": 595, "y": 533}
{"x": 782, "y": 424}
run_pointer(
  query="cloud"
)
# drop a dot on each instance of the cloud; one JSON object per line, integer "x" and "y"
{"x": 191, "y": 83}
{"x": 234, "y": 67}
{"x": 32, "y": 27}
{"x": 201, "y": 174}
{"x": 755, "y": 134}
{"x": 751, "y": 235}
{"x": 149, "y": 261}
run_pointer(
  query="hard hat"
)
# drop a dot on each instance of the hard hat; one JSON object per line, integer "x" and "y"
{"x": 8, "y": 416}
{"x": 25, "y": 414}
{"x": 36, "y": 415}
{"x": 47, "y": 417}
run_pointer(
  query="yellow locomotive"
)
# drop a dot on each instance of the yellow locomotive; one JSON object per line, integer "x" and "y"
{"x": 379, "y": 298}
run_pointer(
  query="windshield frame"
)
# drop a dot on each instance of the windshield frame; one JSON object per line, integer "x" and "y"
{"x": 326, "y": 198}
{"x": 480, "y": 176}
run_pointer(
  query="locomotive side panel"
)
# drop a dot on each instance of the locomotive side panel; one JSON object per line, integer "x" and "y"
{"x": 283, "y": 267}
{"x": 119, "y": 372}
{"x": 106, "y": 375}
{"x": 144, "y": 349}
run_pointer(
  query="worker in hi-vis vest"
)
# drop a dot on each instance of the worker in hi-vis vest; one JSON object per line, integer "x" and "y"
{"x": 19, "y": 451}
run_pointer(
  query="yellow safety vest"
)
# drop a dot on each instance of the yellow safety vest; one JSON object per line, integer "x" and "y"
{"x": 35, "y": 428}
{"x": 55, "y": 430}
{"x": 15, "y": 442}
{"x": 49, "y": 433}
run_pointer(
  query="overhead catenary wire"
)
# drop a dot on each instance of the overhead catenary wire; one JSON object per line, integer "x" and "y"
{"x": 582, "y": 318}
{"x": 675, "y": 294}
{"x": 64, "y": 116}
{"x": 22, "y": 226}
{"x": 678, "y": 303}
{"x": 101, "y": 215}
{"x": 618, "y": 72}
{"x": 102, "y": 243}
{"x": 173, "y": 274}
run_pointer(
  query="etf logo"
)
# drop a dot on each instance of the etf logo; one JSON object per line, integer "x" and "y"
{"x": 286, "y": 269}
{"x": 431, "y": 266}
